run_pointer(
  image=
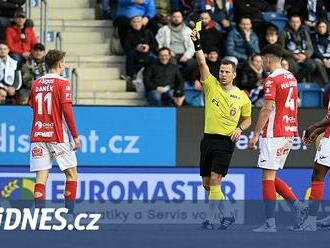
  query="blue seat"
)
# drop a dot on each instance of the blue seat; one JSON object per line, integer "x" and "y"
{"x": 311, "y": 95}
{"x": 328, "y": 16}
{"x": 279, "y": 20}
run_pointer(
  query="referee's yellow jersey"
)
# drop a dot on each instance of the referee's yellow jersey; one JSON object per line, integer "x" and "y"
{"x": 223, "y": 109}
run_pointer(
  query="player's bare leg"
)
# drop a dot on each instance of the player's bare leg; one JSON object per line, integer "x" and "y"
{"x": 317, "y": 190}
{"x": 70, "y": 192}
{"x": 39, "y": 194}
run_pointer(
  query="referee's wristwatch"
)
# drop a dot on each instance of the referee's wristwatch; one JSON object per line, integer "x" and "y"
{"x": 241, "y": 128}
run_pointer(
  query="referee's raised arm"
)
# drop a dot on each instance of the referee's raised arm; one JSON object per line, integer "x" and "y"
{"x": 200, "y": 57}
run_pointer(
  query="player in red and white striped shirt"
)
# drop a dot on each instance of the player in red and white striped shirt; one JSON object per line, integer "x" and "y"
{"x": 278, "y": 123}
{"x": 52, "y": 126}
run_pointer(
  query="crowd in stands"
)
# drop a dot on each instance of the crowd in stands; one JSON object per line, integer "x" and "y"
{"x": 155, "y": 37}
{"x": 21, "y": 55}
{"x": 235, "y": 30}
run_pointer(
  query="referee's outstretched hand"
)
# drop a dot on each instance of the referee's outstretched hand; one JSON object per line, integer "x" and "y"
{"x": 194, "y": 35}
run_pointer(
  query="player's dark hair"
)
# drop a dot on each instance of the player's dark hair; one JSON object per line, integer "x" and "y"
{"x": 228, "y": 62}
{"x": 53, "y": 57}
{"x": 272, "y": 49}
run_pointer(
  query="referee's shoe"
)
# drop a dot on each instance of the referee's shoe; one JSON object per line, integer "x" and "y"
{"x": 226, "y": 222}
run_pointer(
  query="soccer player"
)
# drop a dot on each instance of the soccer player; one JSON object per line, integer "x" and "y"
{"x": 225, "y": 106}
{"x": 53, "y": 121}
{"x": 320, "y": 170}
{"x": 278, "y": 122}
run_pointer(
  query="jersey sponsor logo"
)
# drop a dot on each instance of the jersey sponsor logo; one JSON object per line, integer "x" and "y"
{"x": 67, "y": 96}
{"x": 216, "y": 102}
{"x": 37, "y": 152}
{"x": 288, "y": 76}
{"x": 282, "y": 151}
{"x": 46, "y": 81}
{"x": 43, "y": 134}
{"x": 268, "y": 83}
{"x": 263, "y": 160}
{"x": 40, "y": 125}
{"x": 290, "y": 129}
{"x": 289, "y": 119}
{"x": 235, "y": 97}
{"x": 67, "y": 88}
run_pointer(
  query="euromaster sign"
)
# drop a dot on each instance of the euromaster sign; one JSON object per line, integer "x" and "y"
{"x": 116, "y": 136}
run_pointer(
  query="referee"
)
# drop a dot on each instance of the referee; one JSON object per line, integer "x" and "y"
{"x": 227, "y": 115}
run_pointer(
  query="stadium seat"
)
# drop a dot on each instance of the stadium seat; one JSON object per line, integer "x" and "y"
{"x": 277, "y": 19}
{"x": 311, "y": 95}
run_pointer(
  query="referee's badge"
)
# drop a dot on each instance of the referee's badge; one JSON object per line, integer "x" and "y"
{"x": 233, "y": 112}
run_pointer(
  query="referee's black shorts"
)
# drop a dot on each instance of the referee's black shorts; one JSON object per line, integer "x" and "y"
{"x": 216, "y": 153}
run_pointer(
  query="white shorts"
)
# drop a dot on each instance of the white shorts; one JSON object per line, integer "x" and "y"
{"x": 273, "y": 152}
{"x": 323, "y": 152}
{"x": 42, "y": 155}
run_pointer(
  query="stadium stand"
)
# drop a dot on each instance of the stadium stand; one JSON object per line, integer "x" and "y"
{"x": 86, "y": 41}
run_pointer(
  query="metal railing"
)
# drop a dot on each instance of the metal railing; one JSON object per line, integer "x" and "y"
{"x": 43, "y": 21}
{"x": 75, "y": 82}
{"x": 28, "y": 8}
{"x": 58, "y": 41}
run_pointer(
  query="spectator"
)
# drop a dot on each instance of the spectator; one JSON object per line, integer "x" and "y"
{"x": 106, "y": 9}
{"x": 163, "y": 9}
{"x": 210, "y": 37}
{"x": 7, "y": 11}
{"x": 163, "y": 81}
{"x": 298, "y": 49}
{"x": 34, "y": 68}
{"x": 321, "y": 45}
{"x": 252, "y": 8}
{"x": 176, "y": 36}
{"x": 252, "y": 74}
{"x": 242, "y": 42}
{"x": 3, "y": 96}
{"x": 223, "y": 14}
{"x": 310, "y": 11}
{"x": 140, "y": 45}
{"x": 10, "y": 76}
{"x": 127, "y": 9}
{"x": 213, "y": 61}
{"x": 271, "y": 36}
{"x": 20, "y": 37}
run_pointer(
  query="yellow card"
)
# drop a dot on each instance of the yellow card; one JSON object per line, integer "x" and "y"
{"x": 198, "y": 26}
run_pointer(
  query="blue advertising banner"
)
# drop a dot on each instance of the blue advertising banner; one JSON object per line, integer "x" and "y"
{"x": 110, "y": 136}
{"x": 155, "y": 184}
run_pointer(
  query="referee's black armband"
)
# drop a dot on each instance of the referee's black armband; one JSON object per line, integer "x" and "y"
{"x": 197, "y": 45}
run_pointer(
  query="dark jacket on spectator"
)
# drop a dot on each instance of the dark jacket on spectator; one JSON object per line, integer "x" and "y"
{"x": 211, "y": 37}
{"x": 321, "y": 44}
{"x": 144, "y": 36}
{"x": 8, "y": 8}
{"x": 14, "y": 38}
{"x": 295, "y": 42}
{"x": 252, "y": 8}
{"x": 248, "y": 77}
{"x": 300, "y": 7}
{"x": 214, "y": 68}
{"x": 240, "y": 48}
{"x": 162, "y": 75}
